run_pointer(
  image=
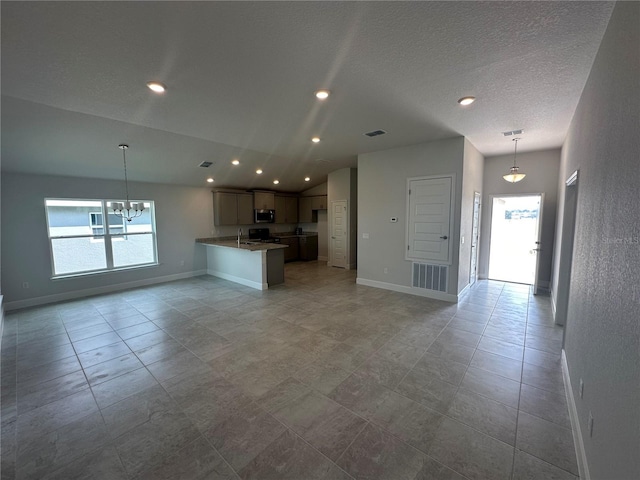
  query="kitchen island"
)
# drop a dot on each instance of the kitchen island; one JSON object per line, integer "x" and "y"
{"x": 254, "y": 264}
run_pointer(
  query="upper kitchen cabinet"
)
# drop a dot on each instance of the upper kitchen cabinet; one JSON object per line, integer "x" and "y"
{"x": 264, "y": 201}
{"x": 286, "y": 209}
{"x": 319, "y": 202}
{"x": 309, "y": 206}
{"x": 232, "y": 208}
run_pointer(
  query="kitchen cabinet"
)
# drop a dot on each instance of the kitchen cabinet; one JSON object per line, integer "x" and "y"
{"x": 308, "y": 247}
{"x": 232, "y": 208}
{"x": 286, "y": 209}
{"x": 309, "y": 206}
{"x": 319, "y": 202}
{"x": 291, "y": 253}
{"x": 264, "y": 201}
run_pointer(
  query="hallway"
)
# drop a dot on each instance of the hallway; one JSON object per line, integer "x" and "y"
{"x": 318, "y": 378}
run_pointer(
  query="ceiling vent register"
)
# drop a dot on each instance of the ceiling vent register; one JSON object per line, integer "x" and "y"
{"x": 205, "y": 164}
{"x": 375, "y": 133}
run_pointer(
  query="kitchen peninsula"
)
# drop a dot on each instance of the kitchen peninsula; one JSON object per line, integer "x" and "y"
{"x": 254, "y": 264}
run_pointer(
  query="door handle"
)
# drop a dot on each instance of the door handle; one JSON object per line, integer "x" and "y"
{"x": 444, "y": 237}
{"x": 333, "y": 237}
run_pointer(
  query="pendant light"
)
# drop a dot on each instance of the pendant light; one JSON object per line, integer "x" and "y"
{"x": 126, "y": 210}
{"x": 514, "y": 176}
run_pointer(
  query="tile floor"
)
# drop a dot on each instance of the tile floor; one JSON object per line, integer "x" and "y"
{"x": 319, "y": 378}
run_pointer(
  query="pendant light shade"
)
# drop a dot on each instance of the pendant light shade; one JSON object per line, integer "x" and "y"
{"x": 514, "y": 175}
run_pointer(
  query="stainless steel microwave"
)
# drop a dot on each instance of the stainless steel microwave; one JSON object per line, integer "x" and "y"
{"x": 265, "y": 216}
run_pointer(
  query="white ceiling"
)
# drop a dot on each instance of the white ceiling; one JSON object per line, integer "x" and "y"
{"x": 241, "y": 78}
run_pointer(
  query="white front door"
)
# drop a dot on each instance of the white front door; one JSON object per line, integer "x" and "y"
{"x": 339, "y": 230}
{"x": 429, "y": 219}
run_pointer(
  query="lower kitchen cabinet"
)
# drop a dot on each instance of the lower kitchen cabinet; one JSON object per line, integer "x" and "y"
{"x": 292, "y": 252}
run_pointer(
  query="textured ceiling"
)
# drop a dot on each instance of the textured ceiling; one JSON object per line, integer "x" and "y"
{"x": 241, "y": 77}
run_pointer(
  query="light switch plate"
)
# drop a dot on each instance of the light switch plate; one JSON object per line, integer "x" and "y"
{"x": 365, "y": 235}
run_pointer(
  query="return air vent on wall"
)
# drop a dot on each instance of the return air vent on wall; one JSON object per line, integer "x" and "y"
{"x": 430, "y": 277}
{"x": 205, "y": 164}
{"x": 375, "y": 133}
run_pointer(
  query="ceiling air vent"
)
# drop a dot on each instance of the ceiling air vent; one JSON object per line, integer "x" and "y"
{"x": 375, "y": 133}
{"x": 512, "y": 132}
{"x": 205, "y": 164}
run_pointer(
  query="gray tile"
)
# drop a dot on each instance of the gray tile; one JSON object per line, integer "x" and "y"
{"x": 49, "y": 371}
{"x": 110, "y": 369}
{"x": 175, "y": 365}
{"x": 243, "y": 434}
{"x": 196, "y": 461}
{"x": 500, "y": 347}
{"x": 136, "y": 330}
{"x": 121, "y": 387}
{"x": 383, "y": 371}
{"x": 46, "y": 392}
{"x": 528, "y": 467}
{"x": 102, "y": 354}
{"x": 46, "y": 453}
{"x": 287, "y": 458}
{"x": 88, "y": 332}
{"x": 503, "y": 366}
{"x": 375, "y": 454}
{"x": 147, "y": 340}
{"x": 151, "y": 442}
{"x": 417, "y": 426}
{"x": 159, "y": 351}
{"x": 543, "y": 378}
{"x": 441, "y": 367}
{"x": 542, "y": 359}
{"x": 428, "y": 390}
{"x": 544, "y": 404}
{"x": 104, "y": 460}
{"x": 326, "y": 425}
{"x": 547, "y": 441}
{"x": 486, "y": 415}
{"x": 451, "y": 352}
{"x": 282, "y": 393}
{"x": 402, "y": 353}
{"x": 471, "y": 453}
{"x": 493, "y": 386}
{"x": 98, "y": 341}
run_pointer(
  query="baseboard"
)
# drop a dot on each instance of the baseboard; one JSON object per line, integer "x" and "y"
{"x": 322, "y": 258}
{"x": 464, "y": 291}
{"x": 581, "y": 456}
{"x": 1, "y": 320}
{"x": 89, "y": 292}
{"x": 447, "y": 297}
{"x": 553, "y": 305}
{"x": 240, "y": 280}
{"x": 351, "y": 266}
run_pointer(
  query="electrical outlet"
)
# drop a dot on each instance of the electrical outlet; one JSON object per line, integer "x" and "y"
{"x": 590, "y": 425}
{"x": 25, "y": 284}
{"x": 581, "y": 388}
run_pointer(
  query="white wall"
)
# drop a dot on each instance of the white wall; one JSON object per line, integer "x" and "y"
{"x": 473, "y": 168}
{"x": 542, "y": 169}
{"x": 182, "y": 215}
{"x": 382, "y": 194}
{"x": 602, "y": 339}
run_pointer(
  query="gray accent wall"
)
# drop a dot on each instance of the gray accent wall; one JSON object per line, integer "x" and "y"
{"x": 542, "y": 177}
{"x": 182, "y": 215}
{"x": 382, "y": 194}
{"x": 602, "y": 332}
{"x": 473, "y": 169}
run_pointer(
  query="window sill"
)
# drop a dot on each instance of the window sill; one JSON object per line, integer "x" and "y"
{"x": 102, "y": 272}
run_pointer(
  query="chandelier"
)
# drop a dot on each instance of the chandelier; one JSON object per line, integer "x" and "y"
{"x": 514, "y": 176}
{"x": 127, "y": 210}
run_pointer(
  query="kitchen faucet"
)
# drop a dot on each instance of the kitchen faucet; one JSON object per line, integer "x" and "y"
{"x": 239, "y": 235}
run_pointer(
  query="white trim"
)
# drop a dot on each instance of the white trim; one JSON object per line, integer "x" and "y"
{"x": 465, "y": 290}
{"x": 240, "y": 280}
{"x": 421, "y": 292}
{"x": 322, "y": 258}
{"x": 553, "y": 303}
{"x": 59, "y": 297}
{"x": 581, "y": 455}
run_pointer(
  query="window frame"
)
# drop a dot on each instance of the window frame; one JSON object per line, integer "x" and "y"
{"x": 107, "y": 236}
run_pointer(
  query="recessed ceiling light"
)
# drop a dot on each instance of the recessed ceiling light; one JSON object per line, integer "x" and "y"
{"x": 210, "y": 180}
{"x": 259, "y": 171}
{"x": 322, "y": 94}
{"x": 466, "y": 100}
{"x": 275, "y": 182}
{"x": 306, "y": 179}
{"x": 156, "y": 87}
{"x": 235, "y": 161}
{"x": 315, "y": 139}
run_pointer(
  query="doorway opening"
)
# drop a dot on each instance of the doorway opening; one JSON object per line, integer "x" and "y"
{"x": 515, "y": 238}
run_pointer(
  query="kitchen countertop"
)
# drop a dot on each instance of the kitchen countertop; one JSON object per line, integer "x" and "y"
{"x": 233, "y": 243}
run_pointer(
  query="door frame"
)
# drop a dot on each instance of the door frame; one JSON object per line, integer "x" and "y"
{"x": 330, "y": 232}
{"x": 490, "y": 220}
{"x": 476, "y": 195}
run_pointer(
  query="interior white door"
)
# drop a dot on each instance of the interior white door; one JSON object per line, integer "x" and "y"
{"x": 538, "y": 248}
{"x": 475, "y": 237}
{"x": 429, "y": 219}
{"x": 339, "y": 231}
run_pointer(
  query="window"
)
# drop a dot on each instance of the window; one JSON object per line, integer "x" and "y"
{"x": 84, "y": 240}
